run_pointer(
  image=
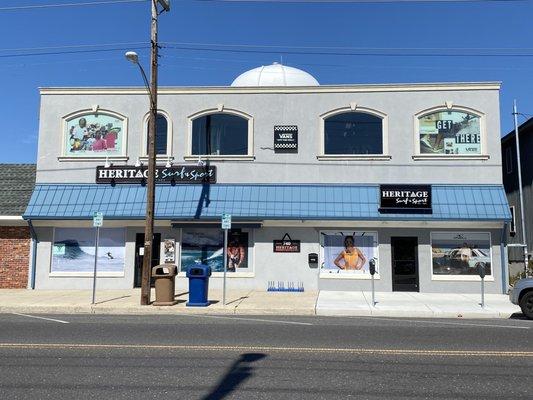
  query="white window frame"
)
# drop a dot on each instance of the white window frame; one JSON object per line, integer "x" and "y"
{"x": 321, "y": 255}
{"x": 241, "y": 273}
{"x": 240, "y": 157}
{"x": 482, "y": 130}
{"x": 144, "y": 143}
{"x": 91, "y": 111}
{"x": 74, "y": 274}
{"x": 512, "y": 225}
{"x": 464, "y": 278}
{"x": 348, "y": 157}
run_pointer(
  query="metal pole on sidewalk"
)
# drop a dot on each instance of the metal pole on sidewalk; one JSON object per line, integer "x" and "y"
{"x": 519, "y": 170}
{"x": 95, "y": 262}
{"x": 225, "y": 266}
{"x": 483, "y": 292}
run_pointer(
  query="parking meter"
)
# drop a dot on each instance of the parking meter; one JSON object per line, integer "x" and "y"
{"x": 372, "y": 268}
{"x": 481, "y": 272}
{"x": 372, "y": 264}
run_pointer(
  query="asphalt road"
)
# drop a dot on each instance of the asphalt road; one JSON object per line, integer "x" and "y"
{"x": 258, "y": 357}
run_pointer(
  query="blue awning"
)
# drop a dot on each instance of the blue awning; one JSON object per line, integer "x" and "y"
{"x": 260, "y": 202}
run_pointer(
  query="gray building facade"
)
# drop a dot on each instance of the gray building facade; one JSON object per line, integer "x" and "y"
{"x": 305, "y": 171}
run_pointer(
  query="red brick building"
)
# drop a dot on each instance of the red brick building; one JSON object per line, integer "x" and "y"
{"x": 16, "y": 185}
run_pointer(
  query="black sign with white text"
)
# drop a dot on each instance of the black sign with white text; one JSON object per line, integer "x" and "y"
{"x": 286, "y": 245}
{"x": 286, "y": 139}
{"x": 177, "y": 174}
{"x": 405, "y": 198}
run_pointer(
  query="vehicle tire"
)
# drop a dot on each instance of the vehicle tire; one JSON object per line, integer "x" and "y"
{"x": 526, "y": 304}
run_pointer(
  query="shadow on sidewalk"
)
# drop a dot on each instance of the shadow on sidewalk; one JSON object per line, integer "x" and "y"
{"x": 113, "y": 299}
{"x": 238, "y": 372}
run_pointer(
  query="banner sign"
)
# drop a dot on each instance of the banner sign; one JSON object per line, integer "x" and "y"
{"x": 177, "y": 174}
{"x": 286, "y": 139}
{"x": 405, "y": 198}
{"x": 286, "y": 245}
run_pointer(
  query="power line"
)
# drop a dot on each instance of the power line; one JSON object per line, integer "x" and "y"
{"x": 54, "y": 53}
{"x": 341, "y": 47}
{"x": 86, "y": 3}
{"x": 330, "y": 53}
{"x": 360, "y": 1}
{"x": 75, "y": 46}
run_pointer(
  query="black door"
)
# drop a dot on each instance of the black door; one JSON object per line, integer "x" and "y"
{"x": 404, "y": 264}
{"x": 139, "y": 250}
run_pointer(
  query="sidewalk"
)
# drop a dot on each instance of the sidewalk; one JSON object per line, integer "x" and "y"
{"x": 326, "y": 303}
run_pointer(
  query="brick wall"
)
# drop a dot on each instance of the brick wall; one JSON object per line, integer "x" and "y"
{"x": 14, "y": 256}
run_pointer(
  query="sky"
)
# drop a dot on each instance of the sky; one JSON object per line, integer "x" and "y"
{"x": 338, "y": 43}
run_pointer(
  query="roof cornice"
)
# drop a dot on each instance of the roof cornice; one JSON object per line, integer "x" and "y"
{"x": 400, "y": 87}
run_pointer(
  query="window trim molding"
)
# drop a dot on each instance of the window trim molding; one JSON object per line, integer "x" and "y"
{"x": 509, "y": 160}
{"x": 144, "y": 138}
{"x": 249, "y": 156}
{"x": 512, "y": 224}
{"x": 464, "y": 278}
{"x": 122, "y": 156}
{"x": 322, "y": 156}
{"x": 443, "y": 108}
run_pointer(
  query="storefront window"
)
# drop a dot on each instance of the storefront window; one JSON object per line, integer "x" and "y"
{"x": 206, "y": 246}
{"x": 220, "y": 134}
{"x": 74, "y": 248}
{"x": 353, "y": 133}
{"x": 460, "y": 253}
{"x": 348, "y": 252}
{"x": 161, "y": 135}
{"x": 449, "y": 132}
{"x": 96, "y": 134}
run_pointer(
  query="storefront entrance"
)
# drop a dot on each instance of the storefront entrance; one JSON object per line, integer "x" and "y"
{"x": 404, "y": 264}
{"x": 139, "y": 251}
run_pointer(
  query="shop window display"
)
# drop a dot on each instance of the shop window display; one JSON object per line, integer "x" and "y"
{"x": 74, "y": 248}
{"x": 220, "y": 134}
{"x": 206, "y": 246}
{"x": 96, "y": 134}
{"x": 460, "y": 253}
{"x": 353, "y": 133}
{"x": 449, "y": 133}
{"x": 348, "y": 252}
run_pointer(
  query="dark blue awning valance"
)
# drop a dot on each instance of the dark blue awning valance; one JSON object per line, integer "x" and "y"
{"x": 260, "y": 202}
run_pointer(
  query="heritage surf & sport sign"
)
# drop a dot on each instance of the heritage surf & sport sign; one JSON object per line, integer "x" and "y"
{"x": 405, "y": 198}
{"x": 177, "y": 174}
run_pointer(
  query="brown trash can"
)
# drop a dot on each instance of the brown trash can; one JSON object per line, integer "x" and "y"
{"x": 164, "y": 278}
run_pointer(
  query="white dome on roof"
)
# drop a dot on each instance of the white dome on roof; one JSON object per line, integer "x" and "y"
{"x": 275, "y": 75}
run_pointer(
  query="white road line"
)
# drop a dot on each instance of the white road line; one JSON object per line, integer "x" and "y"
{"x": 253, "y": 319}
{"x": 446, "y": 323}
{"x": 47, "y": 319}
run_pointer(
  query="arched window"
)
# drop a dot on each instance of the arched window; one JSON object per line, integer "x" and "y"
{"x": 94, "y": 134}
{"x": 220, "y": 134}
{"x": 353, "y": 133}
{"x": 163, "y": 134}
{"x": 449, "y": 132}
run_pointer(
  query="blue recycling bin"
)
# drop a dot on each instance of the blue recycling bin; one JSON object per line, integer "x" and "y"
{"x": 198, "y": 285}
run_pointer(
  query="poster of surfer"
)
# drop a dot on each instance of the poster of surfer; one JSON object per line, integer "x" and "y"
{"x": 206, "y": 246}
{"x": 73, "y": 250}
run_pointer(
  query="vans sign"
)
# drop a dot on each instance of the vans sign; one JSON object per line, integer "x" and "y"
{"x": 286, "y": 139}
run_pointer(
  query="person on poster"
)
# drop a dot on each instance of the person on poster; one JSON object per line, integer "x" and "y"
{"x": 352, "y": 257}
{"x": 236, "y": 254}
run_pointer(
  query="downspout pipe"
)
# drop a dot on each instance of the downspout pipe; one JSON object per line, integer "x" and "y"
{"x": 35, "y": 241}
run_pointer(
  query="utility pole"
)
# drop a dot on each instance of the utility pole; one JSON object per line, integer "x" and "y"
{"x": 519, "y": 169}
{"x": 150, "y": 181}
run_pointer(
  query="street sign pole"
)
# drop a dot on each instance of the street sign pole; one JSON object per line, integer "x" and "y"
{"x": 98, "y": 220}
{"x": 226, "y": 224}
{"x": 225, "y": 265}
{"x": 95, "y": 262}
